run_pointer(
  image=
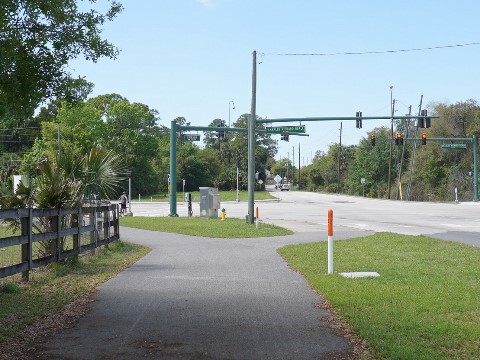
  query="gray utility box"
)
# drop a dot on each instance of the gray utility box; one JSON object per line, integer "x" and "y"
{"x": 209, "y": 202}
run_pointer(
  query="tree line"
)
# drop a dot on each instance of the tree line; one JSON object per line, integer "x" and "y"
{"x": 419, "y": 172}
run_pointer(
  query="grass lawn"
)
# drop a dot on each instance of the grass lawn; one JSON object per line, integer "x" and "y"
{"x": 224, "y": 196}
{"x": 424, "y": 305}
{"x": 214, "y": 228}
{"x": 55, "y": 286}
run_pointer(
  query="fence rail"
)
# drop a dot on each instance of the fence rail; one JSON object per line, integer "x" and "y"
{"x": 36, "y": 237}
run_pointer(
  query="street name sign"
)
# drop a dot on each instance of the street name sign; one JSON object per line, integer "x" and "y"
{"x": 454, "y": 146}
{"x": 191, "y": 137}
{"x": 286, "y": 129}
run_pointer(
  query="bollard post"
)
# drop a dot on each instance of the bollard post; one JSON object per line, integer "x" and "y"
{"x": 256, "y": 215}
{"x": 330, "y": 241}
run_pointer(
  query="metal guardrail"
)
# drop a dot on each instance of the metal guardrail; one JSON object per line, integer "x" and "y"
{"x": 63, "y": 232}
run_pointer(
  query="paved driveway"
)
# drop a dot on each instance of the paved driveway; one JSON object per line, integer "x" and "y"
{"x": 203, "y": 298}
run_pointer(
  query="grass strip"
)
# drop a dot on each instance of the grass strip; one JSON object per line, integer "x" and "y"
{"x": 195, "y": 226}
{"x": 53, "y": 287}
{"x": 424, "y": 305}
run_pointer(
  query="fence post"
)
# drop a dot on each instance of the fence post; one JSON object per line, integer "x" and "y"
{"x": 106, "y": 226}
{"x": 26, "y": 229}
{"x": 76, "y": 237}
{"x": 116, "y": 219}
{"x": 59, "y": 228}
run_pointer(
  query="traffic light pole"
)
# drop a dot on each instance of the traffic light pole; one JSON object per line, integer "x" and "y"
{"x": 173, "y": 168}
{"x": 475, "y": 168}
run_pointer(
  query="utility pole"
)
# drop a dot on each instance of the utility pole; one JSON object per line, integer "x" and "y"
{"x": 293, "y": 166}
{"x": 391, "y": 144}
{"x": 299, "y": 166}
{"x": 413, "y": 154}
{"x": 288, "y": 160}
{"x": 339, "y": 155}
{"x": 252, "y": 141}
{"x": 403, "y": 154}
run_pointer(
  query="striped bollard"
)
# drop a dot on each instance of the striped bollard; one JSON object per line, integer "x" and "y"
{"x": 330, "y": 241}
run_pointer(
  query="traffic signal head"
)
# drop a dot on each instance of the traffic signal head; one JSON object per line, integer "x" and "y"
{"x": 358, "y": 119}
{"x": 424, "y": 122}
{"x": 284, "y": 137}
{"x": 399, "y": 139}
{"x": 424, "y": 139}
{"x": 372, "y": 140}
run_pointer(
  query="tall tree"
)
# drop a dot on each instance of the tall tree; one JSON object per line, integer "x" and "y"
{"x": 38, "y": 38}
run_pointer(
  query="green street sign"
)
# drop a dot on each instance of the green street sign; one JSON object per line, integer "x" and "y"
{"x": 454, "y": 146}
{"x": 191, "y": 137}
{"x": 286, "y": 129}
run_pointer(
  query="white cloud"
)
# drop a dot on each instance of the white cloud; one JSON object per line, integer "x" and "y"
{"x": 207, "y": 3}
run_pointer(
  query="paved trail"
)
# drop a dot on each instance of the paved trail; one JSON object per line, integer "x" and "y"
{"x": 203, "y": 298}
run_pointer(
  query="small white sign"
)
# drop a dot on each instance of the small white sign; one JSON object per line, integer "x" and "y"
{"x": 277, "y": 178}
{"x": 260, "y": 181}
{"x": 362, "y": 181}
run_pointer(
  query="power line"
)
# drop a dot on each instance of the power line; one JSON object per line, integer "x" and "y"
{"x": 371, "y": 52}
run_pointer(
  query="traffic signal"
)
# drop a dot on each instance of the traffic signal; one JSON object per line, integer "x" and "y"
{"x": 424, "y": 123}
{"x": 372, "y": 140}
{"x": 284, "y": 137}
{"x": 399, "y": 139}
{"x": 358, "y": 119}
{"x": 221, "y": 134}
{"x": 424, "y": 139}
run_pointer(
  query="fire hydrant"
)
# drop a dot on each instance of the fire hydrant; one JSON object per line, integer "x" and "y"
{"x": 224, "y": 214}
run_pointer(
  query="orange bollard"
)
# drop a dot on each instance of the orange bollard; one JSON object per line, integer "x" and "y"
{"x": 330, "y": 222}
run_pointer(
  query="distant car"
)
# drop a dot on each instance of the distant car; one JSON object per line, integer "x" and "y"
{"x": 285, "y": 187}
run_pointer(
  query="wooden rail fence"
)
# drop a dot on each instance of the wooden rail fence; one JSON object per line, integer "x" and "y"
{"x": 52, "y": 235}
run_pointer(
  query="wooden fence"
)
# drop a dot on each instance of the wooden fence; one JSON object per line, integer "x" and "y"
{"x": 44, "y": 236}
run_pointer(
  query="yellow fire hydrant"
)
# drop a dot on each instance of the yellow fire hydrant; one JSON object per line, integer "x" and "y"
{"x": 224, "y": 215}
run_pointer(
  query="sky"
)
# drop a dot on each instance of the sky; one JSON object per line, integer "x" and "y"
{"x": 193, "y": 58}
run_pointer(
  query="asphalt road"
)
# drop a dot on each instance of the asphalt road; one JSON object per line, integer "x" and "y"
{"x": 307, "y": 212}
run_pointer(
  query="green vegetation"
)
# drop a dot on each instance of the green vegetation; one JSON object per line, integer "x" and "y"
{"x": 425, "y": 304}
{"x": 53, "y": 287}
{"x": 214, "y": 228}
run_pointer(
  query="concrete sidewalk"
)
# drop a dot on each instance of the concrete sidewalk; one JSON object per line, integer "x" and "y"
{"x": 203, "y": 298}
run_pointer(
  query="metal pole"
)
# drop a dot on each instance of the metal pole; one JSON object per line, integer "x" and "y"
{"x": 251, "y": 142}
{"x": 392, "y": 106}
{"x": 233, "y": 108}
{"x": 475, "y": 168}
{"x": 173, "y": 168}
{"x": 339, "y": 154}
{"x": 129, "y": 196}
{"x": 238, "y": 198}
{"x": 299, "y": 166}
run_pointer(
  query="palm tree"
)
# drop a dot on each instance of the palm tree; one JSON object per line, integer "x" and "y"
{"x": 63, "y": 182}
